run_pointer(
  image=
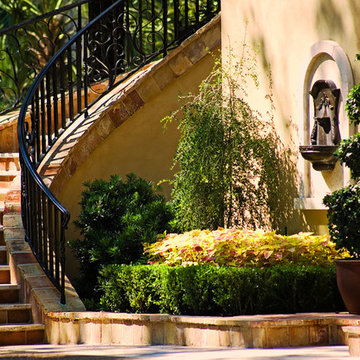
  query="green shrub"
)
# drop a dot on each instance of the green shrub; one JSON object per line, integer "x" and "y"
{"x": 344, "y": 218}
{"x": 226, "y": 291}
{"x": 235, "y": 247}
{"x": 116, "y": 218}
{"x": 344, "y": 205}
{"x": 352, "y": 105}
{"x": 348, "y": 153}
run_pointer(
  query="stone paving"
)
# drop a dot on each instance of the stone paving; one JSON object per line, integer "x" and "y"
{"x": 85, "y": 352}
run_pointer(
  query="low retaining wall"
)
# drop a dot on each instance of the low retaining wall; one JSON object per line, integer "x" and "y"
{"x": 258, "y": 331}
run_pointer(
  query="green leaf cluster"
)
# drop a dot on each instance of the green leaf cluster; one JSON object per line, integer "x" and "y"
{"x": 344, "y": 204}
{"x": 230, "y": 164}
{"x": 116, "y": 218}
{"x": 344, "y": 218}
{"x": 352, "y": 105}
{"x": 214, "y": 291}
{"x": 235, "y": 247}
{"x": 348, "y": 153}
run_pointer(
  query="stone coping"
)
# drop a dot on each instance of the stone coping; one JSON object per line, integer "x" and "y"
{"x": 276, "y": 320}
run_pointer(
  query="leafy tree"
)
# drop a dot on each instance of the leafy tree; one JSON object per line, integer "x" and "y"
{"x": 231, "y": 165}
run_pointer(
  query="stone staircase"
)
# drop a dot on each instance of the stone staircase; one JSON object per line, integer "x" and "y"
{"x": 16, "y": 325}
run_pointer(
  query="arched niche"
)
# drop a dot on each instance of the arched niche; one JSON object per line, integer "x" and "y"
{"x": 325, "y": 60}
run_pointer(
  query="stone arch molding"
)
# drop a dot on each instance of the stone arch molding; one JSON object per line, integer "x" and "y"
{"x": 318, "y": 53}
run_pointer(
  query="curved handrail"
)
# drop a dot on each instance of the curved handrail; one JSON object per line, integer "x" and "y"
{"x": 117, "y": 42}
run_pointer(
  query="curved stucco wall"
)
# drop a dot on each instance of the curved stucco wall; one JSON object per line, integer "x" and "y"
{"x": 129, "y": 136}
{"x": 284, "y": 32}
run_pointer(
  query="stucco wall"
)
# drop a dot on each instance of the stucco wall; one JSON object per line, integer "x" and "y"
{"x": 139, "y": 145}
{"x": 284, "y": 31}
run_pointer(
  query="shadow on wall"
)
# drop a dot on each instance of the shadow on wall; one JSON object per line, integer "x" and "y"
{"x": 284, "y": 218}
{"x": 283, "y": 189}
{"x": 329, "y": 19}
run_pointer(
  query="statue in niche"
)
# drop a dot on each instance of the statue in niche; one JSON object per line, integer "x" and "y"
{"x": 326, "y": 126}
{"x": 325, "y": 135}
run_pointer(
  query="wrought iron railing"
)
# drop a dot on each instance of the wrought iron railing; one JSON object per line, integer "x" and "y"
{"x": 126, "y": 36}
{"x": 27, "y": 47}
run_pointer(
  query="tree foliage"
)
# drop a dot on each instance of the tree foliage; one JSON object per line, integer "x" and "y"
{"x": 231, "y": 166}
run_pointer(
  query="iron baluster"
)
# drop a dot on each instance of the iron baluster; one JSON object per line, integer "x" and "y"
{"x": 165, "y": 27}
{"x": 78, "y": 75}
{"x": 42, "y": 119}
{"x": 176, "y": 19}
{"x": 51, "y": 239}
{"x": 55, "y": 101}
{"x": 36, "y": 125}
{"x": 86, "y": 69}
{"x": 62, "y": 90}
{"x": 186, "y": 14}
{"x": 48, "y": 108}
{"x": 197, "y": 11}
{"x": 153, "y": 19}
{"x": 70, "y": 84}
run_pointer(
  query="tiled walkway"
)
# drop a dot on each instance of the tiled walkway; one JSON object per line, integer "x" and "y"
{"x": 85, "y": 352}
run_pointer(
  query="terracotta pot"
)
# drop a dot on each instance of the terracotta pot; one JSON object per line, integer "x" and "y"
{"x": 348, "y": 281}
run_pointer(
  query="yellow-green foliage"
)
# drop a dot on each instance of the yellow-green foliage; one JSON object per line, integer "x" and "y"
{"x": 234, "y": 247}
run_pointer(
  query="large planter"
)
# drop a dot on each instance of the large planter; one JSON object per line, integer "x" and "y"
{"x": 348, "y": 281}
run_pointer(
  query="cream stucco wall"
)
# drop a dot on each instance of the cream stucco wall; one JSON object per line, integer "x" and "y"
{"x": 140, "y": 145}
{"x": 284, "y": 31}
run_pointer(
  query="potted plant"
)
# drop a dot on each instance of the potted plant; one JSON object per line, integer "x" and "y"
{"x": 344, "y": 212}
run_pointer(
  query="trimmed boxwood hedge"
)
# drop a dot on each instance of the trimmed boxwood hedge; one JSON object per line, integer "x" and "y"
{"x": 225, "y": 291}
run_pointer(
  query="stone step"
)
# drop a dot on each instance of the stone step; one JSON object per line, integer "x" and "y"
{"x": 9, "y": 293}
{"x": 4, "y": 174}
{"x": 9, "y": 161}
{"x": 3, "y": 255}
{"x": 7, "y": 177}
{"x": 15, "y": 314}
{"x": 3, "y": 192}
{"x": 4, "y": 274}
{"x": 24, "y": 334}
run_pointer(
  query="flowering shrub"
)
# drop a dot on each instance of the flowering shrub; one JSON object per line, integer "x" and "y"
{"x": 234, "y": 247}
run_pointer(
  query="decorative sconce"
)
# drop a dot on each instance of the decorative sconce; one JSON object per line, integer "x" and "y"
{"x": 325, "y": 135}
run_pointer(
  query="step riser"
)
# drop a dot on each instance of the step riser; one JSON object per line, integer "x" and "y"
{"x": 9, "y": 164}
{"x": 18, "y": 316}
{"x": 4, "y": 184}
{"x": 5, "y": 276}
{"x": 9, "y": 296}
{"x": 21, "y": 337}
{"x": 3, "y": 257}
